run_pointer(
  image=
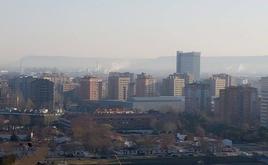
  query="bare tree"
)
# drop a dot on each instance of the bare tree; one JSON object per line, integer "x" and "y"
{"x": 25, "y": 120}
{"x": 96, "y": 137}
{"x": 29, "y": 104}
{"x": 167, "y": 140}
{"x": 170, "y": 127}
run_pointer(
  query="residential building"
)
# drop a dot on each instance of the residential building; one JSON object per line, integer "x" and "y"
{"x": 59, "y": 80}
{"x": 42, "y": 94}
{"x": 20, "y": 91}
{"x": 239, "y": 106}
{"x": 197, "y": 97}
{"x": 118, "y": 86}
{"x": 4, "y": 93}
{"x": 174, "y": 84}
{"x": 218, "y": 82}
{"x": 145, "y": 85}
{"x": 90, "y": 88}
{"x": 264, "y": 102}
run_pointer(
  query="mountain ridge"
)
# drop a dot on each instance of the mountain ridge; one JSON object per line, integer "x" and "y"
{"x": 160, "y": 65}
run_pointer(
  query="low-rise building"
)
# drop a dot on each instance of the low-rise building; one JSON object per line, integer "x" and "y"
{"x": 160, "y": 103}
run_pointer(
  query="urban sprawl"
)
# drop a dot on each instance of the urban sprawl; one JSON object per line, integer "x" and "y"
{"x": 122, "y": 117}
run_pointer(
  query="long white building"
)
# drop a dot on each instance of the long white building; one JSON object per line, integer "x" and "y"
{"x": 160, "y": 103}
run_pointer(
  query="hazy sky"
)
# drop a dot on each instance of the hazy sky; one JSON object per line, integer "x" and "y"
{"x": 132, "y": 28}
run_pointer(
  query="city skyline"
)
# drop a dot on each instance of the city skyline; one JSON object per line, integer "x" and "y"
{"x": 132, "y": 29}
{"x": 133, "y": 82}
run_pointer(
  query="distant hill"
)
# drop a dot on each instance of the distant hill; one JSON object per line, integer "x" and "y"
{"x": 162, "y": 65}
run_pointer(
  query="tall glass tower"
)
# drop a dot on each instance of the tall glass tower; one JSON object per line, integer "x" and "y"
{"x": 189, "y": 62}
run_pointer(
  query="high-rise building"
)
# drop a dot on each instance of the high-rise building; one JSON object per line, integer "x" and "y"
{"x": 239, "y": 106}
{"x": 104, "y": 88}
{"x": 145, "y": 85}
{"x": 90, "y": 88}
{"x": 42, "y": 94}
{"x": 118, "y": 86}
{"x": 69, "y": 86}
{"x": 132, "y": 83}
{"x": 189, "y": 62}
{"x": 197, "y": 97}
{"x": 123, "y": 74}
{"x": 174, "y": 84}
{"x": 132, "y": 89}
{"x": 20, "y": 91}
{"x": 59, "y": 80}
{"x": 264, "y": 102}
{"x": 218, "y": 82}
{"x": 4, "y": 93}
{"x": 226, "y": 77}
{"x": 27, "y": 92}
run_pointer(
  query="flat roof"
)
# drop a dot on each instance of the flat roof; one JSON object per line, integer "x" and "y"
{"x": 158, "y": 98}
